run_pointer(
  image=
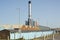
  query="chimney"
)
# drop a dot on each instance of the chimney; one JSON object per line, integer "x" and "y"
{"x": 29, "y": 13}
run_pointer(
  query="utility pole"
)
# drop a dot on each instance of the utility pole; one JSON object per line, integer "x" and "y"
{"x": 19, "y": 22}
{"x": 19, "y": 16}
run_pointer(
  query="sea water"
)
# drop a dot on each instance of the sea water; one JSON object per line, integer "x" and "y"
{"x": 29, "y": 35}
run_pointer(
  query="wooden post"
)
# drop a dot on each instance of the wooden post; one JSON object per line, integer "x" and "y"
{"x": 47, "y": 36}
{"x": 8, "y": 38}
{"x": 53, "y": 37}
{"x": 44, "y": 37}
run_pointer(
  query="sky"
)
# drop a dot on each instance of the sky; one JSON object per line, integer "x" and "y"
{"x": 46, "y": 12}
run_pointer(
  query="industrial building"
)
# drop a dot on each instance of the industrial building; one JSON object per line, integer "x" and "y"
{"x": 30, "y": 26}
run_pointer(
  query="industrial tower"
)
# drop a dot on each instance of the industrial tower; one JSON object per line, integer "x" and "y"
{"x": 30, "y": 21}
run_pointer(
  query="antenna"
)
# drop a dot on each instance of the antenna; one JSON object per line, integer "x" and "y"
{"x": 19, "y": 21}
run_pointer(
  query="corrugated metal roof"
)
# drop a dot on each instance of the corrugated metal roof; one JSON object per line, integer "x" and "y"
{"x": 44, "y": 27}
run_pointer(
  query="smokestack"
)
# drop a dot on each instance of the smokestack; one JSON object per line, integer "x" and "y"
{"x": 29, "y": 9}
{"x": 29, "y": 13}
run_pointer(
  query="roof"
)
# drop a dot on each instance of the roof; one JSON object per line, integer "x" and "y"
{"x": 44, "y": 27}
{"x": 57, "y": 29}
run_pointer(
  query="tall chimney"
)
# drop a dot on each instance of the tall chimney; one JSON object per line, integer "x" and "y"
{"x": 29, "y": 13}
{"x": 29, "y": 9}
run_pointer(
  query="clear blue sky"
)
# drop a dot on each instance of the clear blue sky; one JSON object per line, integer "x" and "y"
{"x": 47, "y": 12}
